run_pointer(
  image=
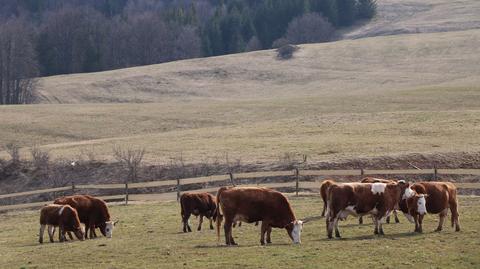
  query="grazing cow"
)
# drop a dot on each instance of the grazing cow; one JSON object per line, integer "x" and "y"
{"x": 249, "y": 204}
{"x": 63, "y": 216}
{"x": 198, "y": 204}
{"x": 380, "y": 180}
{"x": 93, "y": 212}
{"x": 432, "y": 198}
{"x": 323, "y": 193}
{"x": 358, "y": 199}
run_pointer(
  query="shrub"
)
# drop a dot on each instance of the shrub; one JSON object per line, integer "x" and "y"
{"x": 286, "y": 52}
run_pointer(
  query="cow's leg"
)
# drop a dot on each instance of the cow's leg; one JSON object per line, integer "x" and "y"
{"x": 70, "y": 235}
{"x": 51, "y": 232}
{"x": 396, "y": 216}
{"x": 200, "y": 223}
{"x": 93, "y": 232}
{"x": 256, "y": 223}
{"x": 185, "y": 218}
{"x": 263, "y": 230}
{"x": 324, "y": 208}
{"x": 418, "y": 226}
{"x": 211, "y": 223}
{"x": 40, "y": 234}
{"x": 388, "y": 219}
{"x": 269, "y": 231}
{"x": 239, "y": 224}
{"x": 86, "y": 231}
{"x": 420, "y": 222}
{"x": 360, "y": 220}
{"x": 441, "y": 219}
{"x": 330, "y": 225}
{"x": 454, "y": 211}
{"x": 380, "y": 226}
{"x": 335, "y": 223}
{"x": 228, "y": 231}
{"x": 375, "y": 223}
{"x": 60, "y": 233}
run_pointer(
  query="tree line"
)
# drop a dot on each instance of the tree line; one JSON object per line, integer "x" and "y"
{"x": 50, "y": 37}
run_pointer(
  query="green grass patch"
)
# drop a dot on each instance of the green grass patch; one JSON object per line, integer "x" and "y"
{"x": 149, "y": 236}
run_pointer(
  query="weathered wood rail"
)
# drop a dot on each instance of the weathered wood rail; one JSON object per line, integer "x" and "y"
{"x": 296, "y": 183}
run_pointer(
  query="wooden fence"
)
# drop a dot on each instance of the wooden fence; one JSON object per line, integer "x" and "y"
{"x": 232, "y": 179}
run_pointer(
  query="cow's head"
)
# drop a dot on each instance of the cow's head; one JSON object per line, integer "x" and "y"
{"x": 107, "y": 228}
{"x": 417, "y": 204}
{"x": 294, "y": 230}
{"x": 80, "y": 233}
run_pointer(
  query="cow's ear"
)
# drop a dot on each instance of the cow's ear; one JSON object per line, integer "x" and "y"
{"x": 115, "y": 222}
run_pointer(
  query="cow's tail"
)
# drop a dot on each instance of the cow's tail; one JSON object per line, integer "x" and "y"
{"x": 219, "y": 212}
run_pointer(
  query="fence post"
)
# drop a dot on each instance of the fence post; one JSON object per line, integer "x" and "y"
{"x": 435, "y": 173}
{"x": 73, "y": 187}
{"x": 362, "y": 172}
{"x": 178, "y": 189}
{"x": 232, "y": 179}
{"x": 296, "y": 181}
{"x": 126, "y": 192}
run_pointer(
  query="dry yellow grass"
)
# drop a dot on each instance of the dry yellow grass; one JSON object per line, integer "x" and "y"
{"x": 367, "y": 97}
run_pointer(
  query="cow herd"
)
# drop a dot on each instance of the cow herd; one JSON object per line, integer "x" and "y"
{"x": 375, "y": 197}
{"x": 68, "y": 212}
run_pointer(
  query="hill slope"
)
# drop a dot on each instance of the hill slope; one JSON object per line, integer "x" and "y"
{"x": 401, "y": 17}
{"x": 342, "y": 67}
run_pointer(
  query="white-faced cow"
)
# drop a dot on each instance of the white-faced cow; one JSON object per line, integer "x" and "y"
{"x": 358, "y": 199}
{"x": 380, "y": 180}
{"x": 197, "y": 204}
{"x": 323, "y": 193}
{"x": 63, "y": 216}
{"x": 432, "y": 198}
{"x": 93, "y": 212}
{"x": 249, "y": 204}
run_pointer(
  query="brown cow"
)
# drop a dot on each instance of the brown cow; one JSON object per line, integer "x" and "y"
{"x": 198, "y": 204}
{"x": 63, "y": 216}
{"x": 93, "y": 212}
{"x": 249, "y": 204}
{"x": 323, "y": 193}
{"x": 381, "y": 180}
{"x": 433, "y": 198}
{"x": 358, "y": 199}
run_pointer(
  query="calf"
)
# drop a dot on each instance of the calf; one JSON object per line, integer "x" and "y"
{"x": 433, "y": 198}
{"x": 323, "y": 193}
{"x": 358, "y": 199}
{"x": 93, "y": 212}
{"x": 63, "y": 216}
{"x": 380, "y": 180}
{"x": 198, "y": 204}
{"x": 249, "y": 204}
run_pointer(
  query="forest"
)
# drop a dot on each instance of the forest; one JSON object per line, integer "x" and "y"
{"x": 51, "y": 37}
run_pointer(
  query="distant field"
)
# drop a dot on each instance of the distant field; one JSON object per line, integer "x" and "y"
{"x": 353, "y": 98}
{"x": 149, "y": 235}
{"x": 399, "y": 16}
{"x": 422, "y": 120}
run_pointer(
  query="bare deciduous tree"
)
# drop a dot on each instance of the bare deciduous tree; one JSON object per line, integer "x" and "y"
{"x": 253, "y": 44}
{"x": 18, "y": 64}
{"x": 130, "y": 158}
{"x": 40, "y": 158}
{"x": 13, "y": 150}
{"x": 309, "y": 28}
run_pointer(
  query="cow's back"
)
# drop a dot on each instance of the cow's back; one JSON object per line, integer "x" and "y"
{"x": 257, "y": 204}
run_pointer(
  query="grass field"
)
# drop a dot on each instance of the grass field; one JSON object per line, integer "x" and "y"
{"x": 149, "y": 236}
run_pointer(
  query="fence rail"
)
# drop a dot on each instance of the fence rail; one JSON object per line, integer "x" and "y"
{"x": 296, "y": 183}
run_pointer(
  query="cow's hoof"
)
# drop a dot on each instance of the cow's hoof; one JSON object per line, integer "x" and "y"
{"x": 262, "y": 243}
{"x": 438, "y": 230}
{"x": 457, "y": 229}
{"x": 211, "y": 228}
{"x": 40, "y": 241}
{"x": 199, "y": 229}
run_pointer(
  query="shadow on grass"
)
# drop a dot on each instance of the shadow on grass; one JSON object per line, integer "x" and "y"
{"x": 392, "y": 236}
{"x": 242, "y": 246}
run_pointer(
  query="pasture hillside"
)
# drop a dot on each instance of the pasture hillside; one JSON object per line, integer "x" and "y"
{"x": 149, "y": 236}
{"x": 400, "y": 17}
{"x": 378, "y": 65}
